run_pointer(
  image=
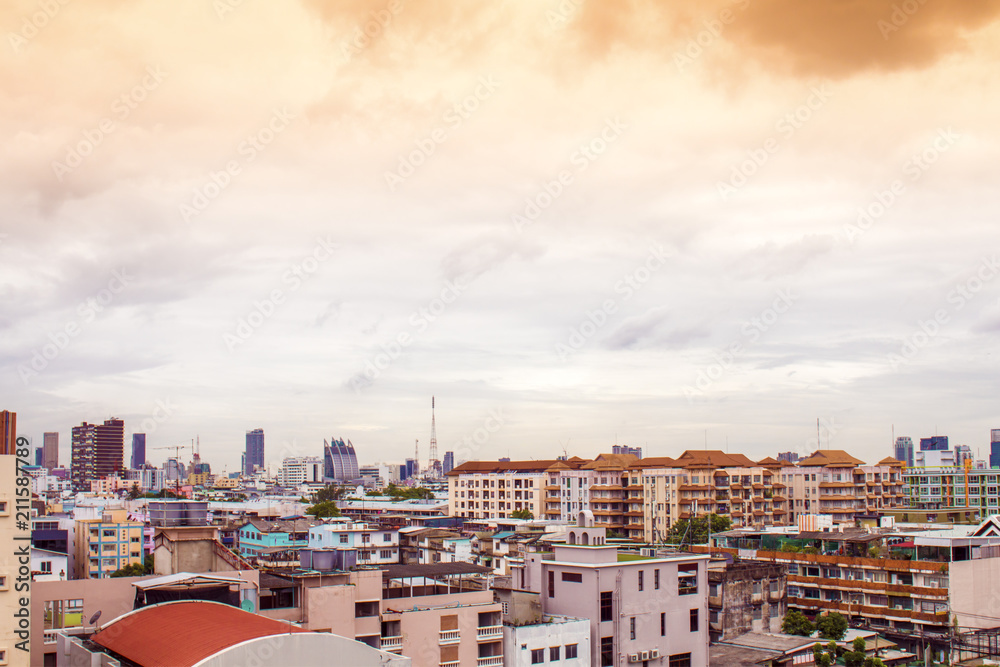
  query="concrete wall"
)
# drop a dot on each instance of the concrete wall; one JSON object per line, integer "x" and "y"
{"x": 974, "y": 592}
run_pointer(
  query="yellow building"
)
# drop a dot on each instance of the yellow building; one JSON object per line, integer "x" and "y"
{"x": 107, "y": 544}
{"x": 226, "y": 483}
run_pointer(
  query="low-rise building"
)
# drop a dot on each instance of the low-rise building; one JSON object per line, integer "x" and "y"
{"x": 107, "y": 544}
{"x": 257, "y": 535}
{"x": 745, "y": 597}
{"x": 373, "y": 544}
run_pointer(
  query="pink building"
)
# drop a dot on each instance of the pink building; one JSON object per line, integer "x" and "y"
{"x": 642, "y": 611}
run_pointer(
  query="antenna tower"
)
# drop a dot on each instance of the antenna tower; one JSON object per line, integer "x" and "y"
{"x": 433, "y": 460}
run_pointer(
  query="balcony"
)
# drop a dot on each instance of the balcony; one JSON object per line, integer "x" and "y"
{"x": 392, "y": 643}
{"x": 490, "y": 632}
{"x": 490, "y": 661}
{"x": 453, "y": 663}
{"x": 449, "y": 637}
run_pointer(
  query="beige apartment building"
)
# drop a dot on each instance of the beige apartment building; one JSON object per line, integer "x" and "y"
{"x": 495, "y": 489}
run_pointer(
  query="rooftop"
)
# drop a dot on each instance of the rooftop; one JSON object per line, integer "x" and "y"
{"x": 149, "y": 636}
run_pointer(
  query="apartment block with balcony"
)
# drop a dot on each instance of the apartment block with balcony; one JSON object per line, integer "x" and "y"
{"x": 831, "y": 481}
{"x": 496, "y": 489}
{"x": 107, "y": 544}
{"x": 918, "y": 585}
{"x": 598, "y": 486}
{"x": 951, "y": 487}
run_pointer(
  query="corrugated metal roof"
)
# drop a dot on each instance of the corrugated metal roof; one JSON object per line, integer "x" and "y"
{"x": 181, "y": 634}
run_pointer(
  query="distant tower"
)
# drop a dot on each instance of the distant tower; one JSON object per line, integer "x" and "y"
{"x": 433, "y": 464}
{"x": 416, "y": 457}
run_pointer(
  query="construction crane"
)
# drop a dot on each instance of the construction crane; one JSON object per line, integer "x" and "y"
{"x": 177, "y": 458}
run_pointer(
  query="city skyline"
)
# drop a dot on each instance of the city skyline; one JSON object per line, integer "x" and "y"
{"x": 578, "y": 226}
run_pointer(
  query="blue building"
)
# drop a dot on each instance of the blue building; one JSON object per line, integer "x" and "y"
{"x": 409, "y": 469}
{"x": 38, "y": 456}
{"x": 937, "y": 443}
{"x": 904, "y": 451}
{"x": 995, "y": 448}
{"x": 138, "y": 450}
{"x": 258, "y": 538}
{"x": 340, "y": 463}
{"x": 254, "y": 455}
{"x": 449, "y": 462}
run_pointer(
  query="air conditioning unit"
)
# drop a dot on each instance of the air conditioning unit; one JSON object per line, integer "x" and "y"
{"x": 643, "y": 655}
{"x": 633, "y": 657}
{"x": 654, "y": 654}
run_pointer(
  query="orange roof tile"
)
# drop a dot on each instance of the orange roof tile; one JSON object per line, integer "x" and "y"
{"x": 713, "y": 458}
{"x": 830, "y": 458}
{"x": 181, "y": 634}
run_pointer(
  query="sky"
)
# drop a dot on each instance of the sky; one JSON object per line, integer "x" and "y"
{"x": 575, "y": 223}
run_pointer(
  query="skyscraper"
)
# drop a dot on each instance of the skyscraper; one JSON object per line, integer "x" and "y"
{"x": 254, "y": 456}
{"x": 38, "y": 456}
{"x": 903, "y": 451}
{"x": 340, "y": 462}
{"x": 936, "y": 443}
{"x": 995, "y": 448}
{"x": 962, "y": 452}
{"x": 625, "y": 449}
{"x": 8, "y": 433}
{"x": 97, "y": 452}
{"x": 50, "y": 447}
{"x": 138, "y": 450}
{"x": 409, "y": 469}
{"x": 449, "y": 462}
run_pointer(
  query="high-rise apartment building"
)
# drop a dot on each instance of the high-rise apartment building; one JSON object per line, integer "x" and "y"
{"x": 449, "y": 463}
{"x": 8, "y": 433}
{"x": 625, "y": 449}
{"x": 788, "y": 457}
{"x": 903, "y": 451}
{"x": 934, "y": 443}
{"x": 50, "y": 450}
{"x": 254, "y": 455}
{"x": 138, "y": 450}
{"x": 995, "y": 448}
{"x": 97, "y": 452}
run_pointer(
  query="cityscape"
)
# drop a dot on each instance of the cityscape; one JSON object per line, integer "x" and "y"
{"x": 518, "y": 333}
{"x": 706, "y": 557}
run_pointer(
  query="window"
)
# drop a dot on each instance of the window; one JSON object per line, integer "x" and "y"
{"x": 758, "y": 613}
{"x": 537, "y": 656}
{"x": 552, "y": 584}
{"x": 713, "y": 590}
{"x": 656, "y": 579}
{"x": 631, "y": 628}
{"x": 663, "y": 624}
{"x": 756, "y": 588}
{"x": 45, "y": 567}
{"x": 694, "y": 620}
{"x": 680, "y": 660}
{"x": 687, "y": 579}
{"x": 387, "y": 538}
{"x": 607, "y": 651}
{"x": 554, "y": 653}
{"x": 606, "y": 603}
{"x": 385, "y": 553}
{"x": 570, "y": 651}
{"x": 343, "y": 538}
{"x": 575, "y": 577}
{"x": 775, "y": 611}
{"x": 640, "y": 580}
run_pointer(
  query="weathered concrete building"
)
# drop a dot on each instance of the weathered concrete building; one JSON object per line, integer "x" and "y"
{"x": 745, "y": 597}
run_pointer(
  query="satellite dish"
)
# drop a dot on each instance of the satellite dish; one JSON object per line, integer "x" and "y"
{"x": 248, "y": 605}
{"x": 93, "y": 619}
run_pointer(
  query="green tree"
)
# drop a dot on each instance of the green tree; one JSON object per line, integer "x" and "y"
{"x": 856, "y": 657}
{"x": 324, "y": 509}
{"x": 872, "y": 661}
{"x": 795, "y": 623}
{"x": 832, "y": 626}
{"x": 522, "y": 514}
{"x": 695, "y": 531}
{"x": 135, "y": 569}
{"x": 134, "y": 492}
{"x": 330, "y": 493}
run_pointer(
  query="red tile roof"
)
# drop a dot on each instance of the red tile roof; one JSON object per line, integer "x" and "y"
{"x": 830, "y": 458}
{"x": 181, "y": 634}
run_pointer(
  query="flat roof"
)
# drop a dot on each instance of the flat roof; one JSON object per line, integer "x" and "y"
{"x": 431, "y": 570}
